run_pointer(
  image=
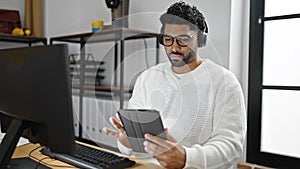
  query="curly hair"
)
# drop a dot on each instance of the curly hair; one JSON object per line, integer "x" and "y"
{"x": 182, "y": 13}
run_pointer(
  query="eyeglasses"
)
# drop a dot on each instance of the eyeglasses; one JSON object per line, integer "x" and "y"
{"x": 182, "y": 40}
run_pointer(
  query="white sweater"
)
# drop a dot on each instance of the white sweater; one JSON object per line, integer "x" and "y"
{"x": 203, "y": 109}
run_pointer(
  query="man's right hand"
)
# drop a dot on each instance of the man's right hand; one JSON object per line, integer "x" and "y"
{"x": 119, "y": 133}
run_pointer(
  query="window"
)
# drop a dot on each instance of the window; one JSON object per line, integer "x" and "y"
{"x": 274, "y": 84}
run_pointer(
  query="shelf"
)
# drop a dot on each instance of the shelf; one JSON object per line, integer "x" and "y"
{"x": 22, "y": 39}
{"x": 105, "y": 35}
{"x": 102, "y": 88}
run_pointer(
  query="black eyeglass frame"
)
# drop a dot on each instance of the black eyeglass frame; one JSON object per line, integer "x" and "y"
{"x": 178, "y": 41}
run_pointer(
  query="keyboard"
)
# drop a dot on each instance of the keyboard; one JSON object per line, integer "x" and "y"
{"x": 91, "y": 158}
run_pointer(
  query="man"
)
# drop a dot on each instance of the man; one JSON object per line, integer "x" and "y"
{"x": 200, "y": 102}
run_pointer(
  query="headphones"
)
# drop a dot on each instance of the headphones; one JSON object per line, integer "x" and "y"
{"x": 202, "y": 38}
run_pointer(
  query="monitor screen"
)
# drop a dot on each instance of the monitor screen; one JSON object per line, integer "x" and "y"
{"x": 36, "y": 98}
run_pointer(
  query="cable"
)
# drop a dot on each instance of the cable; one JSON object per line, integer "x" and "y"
{"x": 40, "y": 161}
{"x": 29, "y": 154}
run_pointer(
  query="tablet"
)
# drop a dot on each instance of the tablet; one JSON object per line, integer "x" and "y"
{"x": 138, "y": 122}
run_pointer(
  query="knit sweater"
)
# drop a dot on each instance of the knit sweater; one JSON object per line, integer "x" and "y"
{"x": 203, "y": 110}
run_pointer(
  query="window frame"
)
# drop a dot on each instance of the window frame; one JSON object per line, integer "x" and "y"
{"x": 255, "y": 88}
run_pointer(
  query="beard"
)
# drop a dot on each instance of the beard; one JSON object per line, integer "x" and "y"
{"x": 181, "y": 62}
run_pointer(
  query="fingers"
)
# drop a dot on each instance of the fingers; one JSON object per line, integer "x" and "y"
{"x": 153, "y": 149}
{"x": 163, "y": 143}
{"x": 111, "y": 132}
{"x": 118, "y": 117}
{"x": 117, "y": 125}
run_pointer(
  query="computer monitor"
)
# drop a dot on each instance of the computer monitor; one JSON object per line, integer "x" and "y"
{"x": 35, "y": 100}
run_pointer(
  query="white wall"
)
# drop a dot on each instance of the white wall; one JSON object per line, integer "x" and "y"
{"x": 239, "y": 41}
{"x": 239, "y": 44}
{"x": 72, "y": 16}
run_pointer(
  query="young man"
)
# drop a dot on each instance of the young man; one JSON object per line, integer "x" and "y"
{"x": 201, "y": 103}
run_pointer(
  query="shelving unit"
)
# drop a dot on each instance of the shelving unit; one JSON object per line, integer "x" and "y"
{"x": 107, "y": 35}
{"x": 22, "y": 39}
{"x": 93, "y": 73}
{"x": 116, "y": 35}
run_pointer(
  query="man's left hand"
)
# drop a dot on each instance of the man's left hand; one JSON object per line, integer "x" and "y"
{"x": 169, "y": 153}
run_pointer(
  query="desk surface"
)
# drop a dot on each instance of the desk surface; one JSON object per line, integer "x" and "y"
{"x": 24, "y": 150}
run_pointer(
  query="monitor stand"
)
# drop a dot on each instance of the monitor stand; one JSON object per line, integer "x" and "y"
{"x": 8, "y": 146}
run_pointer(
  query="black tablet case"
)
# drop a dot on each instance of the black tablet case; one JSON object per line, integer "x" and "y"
{"x": 138, "y": 122}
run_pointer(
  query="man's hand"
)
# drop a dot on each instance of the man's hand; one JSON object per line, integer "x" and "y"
{"x": 119, "y": 133}
{"x": 169, "y": 153}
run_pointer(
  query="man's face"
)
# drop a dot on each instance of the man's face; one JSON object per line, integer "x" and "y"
{"x": 180, "y": 54}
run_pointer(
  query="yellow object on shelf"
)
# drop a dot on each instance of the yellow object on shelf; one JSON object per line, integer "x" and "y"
{"x": 97, "y": 25}
{"x": 27, "y": 32}
{"x": 17, "y": 31}
{"x": 21, "y": 32}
